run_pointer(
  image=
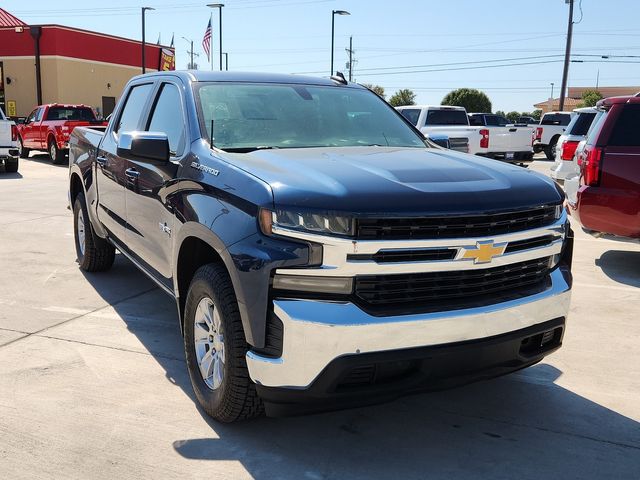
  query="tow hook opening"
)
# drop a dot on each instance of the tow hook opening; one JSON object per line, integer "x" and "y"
{"x": 541, "y": 342}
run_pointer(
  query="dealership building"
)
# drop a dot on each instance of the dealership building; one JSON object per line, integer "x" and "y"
{"x": 42, "y": 64}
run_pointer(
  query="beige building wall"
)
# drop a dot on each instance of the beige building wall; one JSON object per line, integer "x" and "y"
{"x": 22, "y": 89}
{"x": 64, "y": 80}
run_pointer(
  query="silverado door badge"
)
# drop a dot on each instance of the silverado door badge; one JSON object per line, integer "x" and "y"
{"x": 204, "y": 168}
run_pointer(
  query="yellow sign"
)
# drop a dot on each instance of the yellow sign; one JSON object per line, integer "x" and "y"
{"x": 484, "y": 252}
{"x": 11, "y": 108}
{"x": 167, "y": 59}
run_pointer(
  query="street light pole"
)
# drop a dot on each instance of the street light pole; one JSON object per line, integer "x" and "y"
{"x": 567, "y": 54}
{"x": 144, "y": 9}
{"x": 333, "y": 29}
{"x": 226, "y": 61}
{"x": 219, "y": 7}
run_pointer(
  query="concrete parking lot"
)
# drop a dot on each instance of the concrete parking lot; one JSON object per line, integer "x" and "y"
{"x": 93, "y": 383}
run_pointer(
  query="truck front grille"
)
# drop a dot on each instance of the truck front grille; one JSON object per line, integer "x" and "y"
{"x": 460, "y": 144}
{"x": 450, "y": 290}
{"x": 453, "y": 226}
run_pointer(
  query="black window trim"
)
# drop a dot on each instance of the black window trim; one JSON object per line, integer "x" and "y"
{"x": 121, "y": 107}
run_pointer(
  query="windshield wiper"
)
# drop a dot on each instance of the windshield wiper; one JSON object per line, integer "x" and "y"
{"x": 249, "y": 149}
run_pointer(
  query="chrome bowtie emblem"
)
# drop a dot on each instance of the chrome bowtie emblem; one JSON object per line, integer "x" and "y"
{"x": 483, "y": 252}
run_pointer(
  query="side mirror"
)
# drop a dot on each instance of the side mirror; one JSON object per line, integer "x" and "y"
{"x": 144, "y": 145}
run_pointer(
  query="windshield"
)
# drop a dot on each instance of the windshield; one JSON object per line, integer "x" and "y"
{"x": 245, "y": 117}
{"x": 446, "y": 117}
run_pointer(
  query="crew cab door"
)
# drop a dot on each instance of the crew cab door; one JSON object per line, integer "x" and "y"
{"x": 110, "y": 168}
{"x": 150, "y": 218}
{"x": 30, "y": 131}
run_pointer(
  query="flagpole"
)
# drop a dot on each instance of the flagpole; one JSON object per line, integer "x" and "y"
{"x": 210, "y": 49}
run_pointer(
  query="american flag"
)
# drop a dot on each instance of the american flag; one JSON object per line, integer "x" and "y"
{"x": 206, "y": 41}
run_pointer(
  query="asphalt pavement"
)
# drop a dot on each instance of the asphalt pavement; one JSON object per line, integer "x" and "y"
{"x": 93, "y": 383}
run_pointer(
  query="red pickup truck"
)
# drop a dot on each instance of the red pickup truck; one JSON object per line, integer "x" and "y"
{"x": 48, "y": 128}
{"x": 608, "y": 194}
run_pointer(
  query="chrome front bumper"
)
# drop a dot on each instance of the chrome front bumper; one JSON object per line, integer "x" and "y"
{"x": 317, "y": 332}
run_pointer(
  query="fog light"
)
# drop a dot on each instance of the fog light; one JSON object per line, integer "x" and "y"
{"x": 306, "y": 283}
{"x": 547, "y": 337}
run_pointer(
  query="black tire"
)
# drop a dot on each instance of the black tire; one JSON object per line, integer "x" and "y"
{"x": 550, "y": 150}
{"x": 98, "y": 254}
{"x": 55, "y": 154}
{"x": 11, "y": 165}
{"x": 24, "y": 152}
{"x": 236, "y": 397}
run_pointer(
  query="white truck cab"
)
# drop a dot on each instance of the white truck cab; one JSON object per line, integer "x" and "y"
{"x": 548, "y": 131}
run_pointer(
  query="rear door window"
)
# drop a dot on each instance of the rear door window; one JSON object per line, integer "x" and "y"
{"x": 446, "y": 117}
{"x": 476, "y": 120}
{"x": 132, "y": 111}
{"x": 411, "y": 114}
{"x": 581, "y": 123}
{"x": 626, "y": 131}
{"x": 556, "y": 119}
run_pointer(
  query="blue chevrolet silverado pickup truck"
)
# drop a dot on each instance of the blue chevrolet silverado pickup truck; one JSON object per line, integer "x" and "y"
{"x": 321, "y": 253}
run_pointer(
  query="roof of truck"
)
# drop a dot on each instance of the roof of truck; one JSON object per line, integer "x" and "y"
{"x": 249, "y": 77}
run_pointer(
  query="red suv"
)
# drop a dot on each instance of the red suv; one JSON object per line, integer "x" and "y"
{"x": 608, "y": 197}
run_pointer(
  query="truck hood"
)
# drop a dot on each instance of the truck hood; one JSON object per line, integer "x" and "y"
{"x": 394, "y": 181}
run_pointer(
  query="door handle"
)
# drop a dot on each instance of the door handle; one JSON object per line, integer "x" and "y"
{"x": 102, "y": 161}
{"x": 513, "y": 129}
{"x": 132, "y": 174}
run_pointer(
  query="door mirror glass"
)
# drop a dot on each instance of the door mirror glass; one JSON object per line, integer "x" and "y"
{"x": 152, "y": 146}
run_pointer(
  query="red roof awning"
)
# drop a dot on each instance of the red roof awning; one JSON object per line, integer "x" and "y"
{"x": 8, "y": 20}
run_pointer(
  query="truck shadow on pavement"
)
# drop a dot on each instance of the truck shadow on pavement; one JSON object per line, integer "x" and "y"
{"x": 44, "y": 159}
{"x": 622, "y": 266}
{"x": 521, "y": 426}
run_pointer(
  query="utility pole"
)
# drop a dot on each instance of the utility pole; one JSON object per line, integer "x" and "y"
{"x": 191, "y": 55}
{"x": 567, "y": 55}
{"x": 350, "y": 52}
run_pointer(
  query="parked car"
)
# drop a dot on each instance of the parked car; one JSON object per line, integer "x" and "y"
{"x": 566, "y": 164}
{"x": 607, "y": 199}
{"x": 320, "y": 253}
{"x": 8, "y": 150}
{"x": 439, "y": 121}
{"x": 547, "y": 133}
{"x": 502, "y": 140}
{"x": 48, "y": 128}
{"x": 526, "y": 121}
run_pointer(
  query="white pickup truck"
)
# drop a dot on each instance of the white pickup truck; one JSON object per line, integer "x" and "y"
{"x": 548, "y": 131}
{"x": 503, "y": 140}
{"x": 8, "y": 149}
{"x": 490, "y": 140}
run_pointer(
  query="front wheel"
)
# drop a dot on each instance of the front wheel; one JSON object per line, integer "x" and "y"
{"x": 215, "y": 348}
{"x": 94, "y": 254}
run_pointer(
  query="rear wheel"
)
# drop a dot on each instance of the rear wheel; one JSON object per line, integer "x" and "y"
{"x": 56, "y": 155}
{"x": 550, "y": 150}
{"x": 11, "y": 165}
{"x": 94, "y": 254}
{"x": 24, "y": 152}
{"x": 215, "y": 348}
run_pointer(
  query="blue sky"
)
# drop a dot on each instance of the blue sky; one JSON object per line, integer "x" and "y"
{"x": 428, "y": 46}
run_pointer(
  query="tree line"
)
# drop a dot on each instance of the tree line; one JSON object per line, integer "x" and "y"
{"x": 474, "y": 101}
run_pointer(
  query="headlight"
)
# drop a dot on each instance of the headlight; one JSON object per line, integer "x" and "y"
{"x": 318, "y": 223}
{"x": 559, "y": 210}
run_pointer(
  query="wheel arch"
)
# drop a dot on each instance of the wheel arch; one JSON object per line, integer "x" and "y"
{"x": 195, "y": 247}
